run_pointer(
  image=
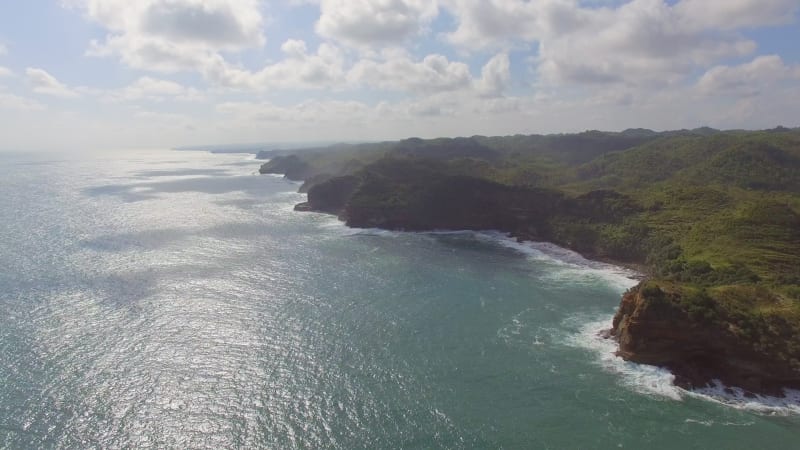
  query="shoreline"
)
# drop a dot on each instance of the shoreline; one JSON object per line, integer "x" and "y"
{"x": 640, "y": 270}
{"x": 648, "y": 379}
{"x": 659, "y": 380}
{"x": 657, "y": 323}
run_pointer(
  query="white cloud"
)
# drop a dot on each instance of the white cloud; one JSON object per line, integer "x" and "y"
{"x": 192, "y": 35}
{"x": 226, "y": 25}
{"x": 299, "y": 70}
{"x": 435, "y": 73}
{"x": 173, "y": 35}
{"x": 3, "y": 49}
{"x": 311, "y": 112}
{"x": 5, "y": 72}
{"x": 747, "y": 79}
{"x": 486, "y": 23}
{"x": 44, "y": 83}
{"x": 147, "y": 88}
{"x": 495, "y": 76}
{"x": 639, "y": 42}
{"x": 371, "y": 24}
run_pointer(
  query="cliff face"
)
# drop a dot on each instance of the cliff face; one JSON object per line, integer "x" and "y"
{"x": 656, "y": 327}
{"x": 450, "y": 202}
{"x": 330, "y": 196}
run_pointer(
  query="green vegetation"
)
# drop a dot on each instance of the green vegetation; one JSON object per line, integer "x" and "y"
{"x": 713, "y": 217}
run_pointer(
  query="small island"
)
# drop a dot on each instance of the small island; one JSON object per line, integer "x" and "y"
{"x": 709, "y": 217}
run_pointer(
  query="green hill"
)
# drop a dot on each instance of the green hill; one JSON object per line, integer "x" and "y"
{"x": 712, "y": 217}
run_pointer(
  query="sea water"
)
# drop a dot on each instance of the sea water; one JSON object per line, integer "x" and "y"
{"x": 162, "y": 299}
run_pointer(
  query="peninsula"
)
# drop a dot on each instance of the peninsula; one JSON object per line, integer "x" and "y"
{"x": 711, "y": 217}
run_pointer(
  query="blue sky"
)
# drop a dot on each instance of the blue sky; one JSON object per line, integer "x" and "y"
{"x": 97, "y": 74}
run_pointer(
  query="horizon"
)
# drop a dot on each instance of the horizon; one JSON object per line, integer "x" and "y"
{"x": 103, "y": 74}
{"x": 255, "y": 147}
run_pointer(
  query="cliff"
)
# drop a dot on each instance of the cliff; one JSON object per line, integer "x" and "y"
{"x": 421, "y": 195}
{"x": 290, "y": 166}
{"x": 698, "y": 338}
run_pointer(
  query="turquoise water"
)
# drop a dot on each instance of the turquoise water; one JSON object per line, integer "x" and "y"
{"x": 175, "y": 300}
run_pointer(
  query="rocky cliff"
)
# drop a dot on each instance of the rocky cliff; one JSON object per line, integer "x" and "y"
{"x": 668, "y": 327}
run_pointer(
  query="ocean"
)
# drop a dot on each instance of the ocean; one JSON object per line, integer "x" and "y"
{"x": 165, "y": 299}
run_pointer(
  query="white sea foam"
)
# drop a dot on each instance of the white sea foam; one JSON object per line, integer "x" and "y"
{"x": 375, "y": 232}
{"x": 641, "y": 378}
{"x": 658, "y": 382}
{"x": 736, "y": 398}
{"x": 566, "y": 265}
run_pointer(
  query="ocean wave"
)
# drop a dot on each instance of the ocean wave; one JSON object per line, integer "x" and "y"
{"x": 641, "y": 378}
{"x": 658, "y": 381}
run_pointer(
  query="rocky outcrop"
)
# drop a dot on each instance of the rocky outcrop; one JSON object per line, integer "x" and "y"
{"x": 330, "y": 196}
{"x": 656, "y": 326}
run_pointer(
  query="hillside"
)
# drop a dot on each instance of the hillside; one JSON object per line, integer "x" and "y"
{"x": 712, "y": 217}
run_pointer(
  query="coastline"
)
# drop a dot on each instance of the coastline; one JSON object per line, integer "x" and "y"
{"x": 594, "y": 336}
{"x": 654, "y": 317}
{"x": 641, "y": 271}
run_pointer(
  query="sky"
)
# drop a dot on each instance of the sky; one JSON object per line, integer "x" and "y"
{"x": 97, "y": 74}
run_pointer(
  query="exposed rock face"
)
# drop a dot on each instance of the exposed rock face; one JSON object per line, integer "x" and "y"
{"x": 652, "y": 327}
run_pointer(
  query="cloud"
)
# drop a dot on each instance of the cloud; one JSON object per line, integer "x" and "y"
{"x": 215, "y": 24}
{"x": 736, "y": 14}
{"x": 487, "y": 23}
{"x": 311, "y": 112}
{"x": 5, "y": 72}
{"x": 435, "y": 73}
{"x": 192, "y": 35}
{"x": 299, "y": 70}
{"x": 147, "y": 88}
{"x": 639, "y": 42}
{"x": 174, "y": 35}
{"x": 495, "y": 76}
{"x": 374, "y": 24}
{"x": 44, "y": 83}
{"x": 3, "y": 49}
{"x": 747, "y": 79}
